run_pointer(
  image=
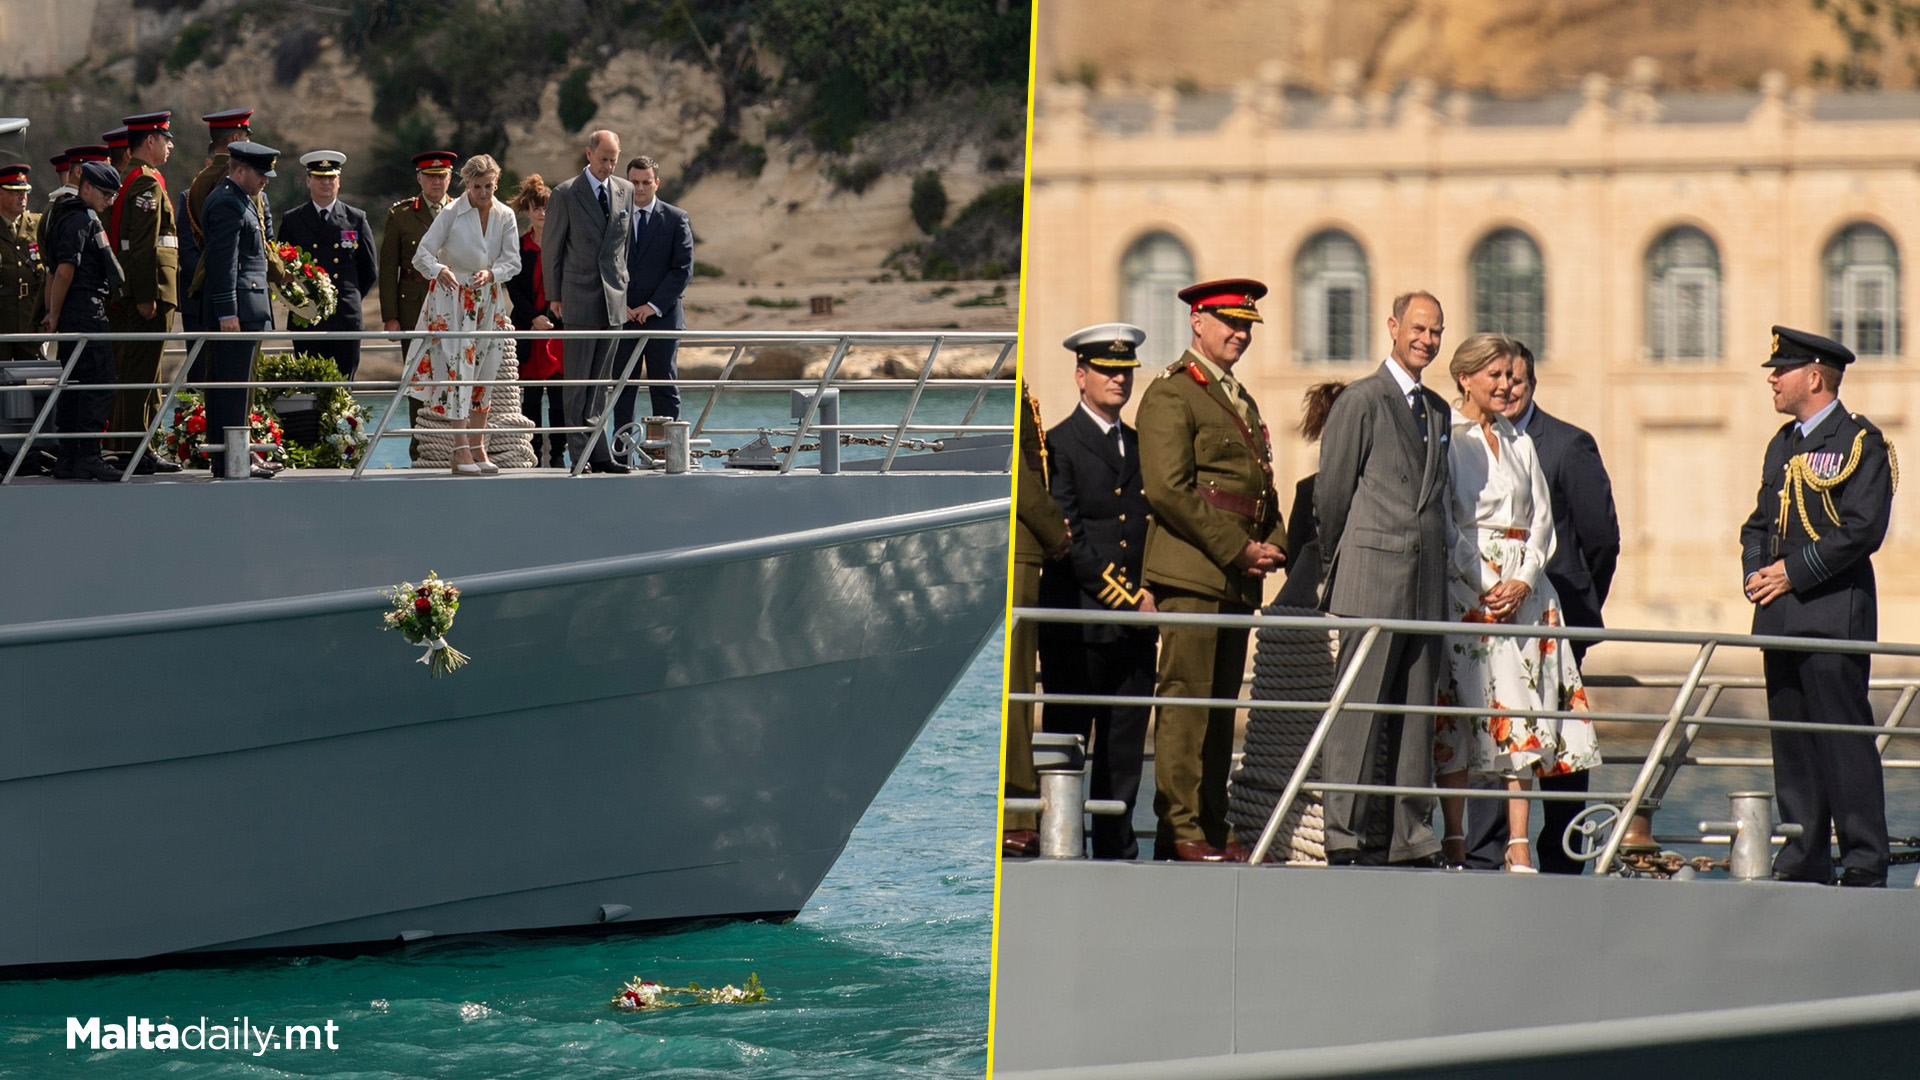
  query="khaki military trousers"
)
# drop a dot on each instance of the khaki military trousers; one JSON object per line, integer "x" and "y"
{"x": 1193, "y": 747}
{"x": 137, "y": 362}
{"x": 1022, "y": 648}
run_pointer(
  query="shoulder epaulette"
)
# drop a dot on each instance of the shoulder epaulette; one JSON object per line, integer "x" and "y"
{"x": 404, "y": 204}
{"x": 1865, "y": 423}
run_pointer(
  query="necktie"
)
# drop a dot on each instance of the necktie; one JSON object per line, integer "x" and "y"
{"x": 1794, "y": 439}
{"x": 606, "y": 205}
{"x": 639, "y": 229}
{"x": 1119, "y": 441}
{"x": 1419, "y": 401}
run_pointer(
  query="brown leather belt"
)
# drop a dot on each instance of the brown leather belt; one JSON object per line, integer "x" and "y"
{"x": 1231, "y": 503}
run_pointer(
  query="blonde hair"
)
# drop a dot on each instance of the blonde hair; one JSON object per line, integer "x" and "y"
{"x": 1477, "y": 352}
{"x": 477, "y": 166}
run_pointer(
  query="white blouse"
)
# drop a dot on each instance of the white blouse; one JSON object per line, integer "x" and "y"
{"x": 454, "y": 240}
{"x": 1508, "y": 493}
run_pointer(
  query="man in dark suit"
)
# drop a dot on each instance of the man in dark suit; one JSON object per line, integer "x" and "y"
{"x": 659, "y": 265}
{"x": 234, "y": 265}
{"x": 584, "y": 256}
{"x": 1586, "y": 538}
{"x": 1826, "y": 492}
{"x": 1206, "y": 466}
{"x": 1381, "y": 506}
{"x": 1095, "y": 461}
{"x": 340, "y": 240}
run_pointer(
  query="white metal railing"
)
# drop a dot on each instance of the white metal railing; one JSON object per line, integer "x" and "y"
{"x": 1690, "y": 711}
{"x": 898, "y": 434}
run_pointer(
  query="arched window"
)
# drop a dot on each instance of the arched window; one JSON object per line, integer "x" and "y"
{"x": 1330, "y": 299}
{"x": 1510, "y": 288}
{"x": 1683, "y": 296}
{"x": 1863, "y": 291}
{"x": 1152, "y": 274}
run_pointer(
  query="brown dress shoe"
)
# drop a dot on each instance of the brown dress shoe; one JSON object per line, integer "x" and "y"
{"x": 1235, "y": 851}
{"x": 1198, "y": 851}
{"x": 1020, "y": 843}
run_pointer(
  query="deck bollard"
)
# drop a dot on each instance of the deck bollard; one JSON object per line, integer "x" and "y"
{"x": 1752, "y": 832}
{"x": 679, "y": 445}
{"x": 828, "y": 417}
{"x": 1061, "y": 761}
{"x": 236, "y": 452}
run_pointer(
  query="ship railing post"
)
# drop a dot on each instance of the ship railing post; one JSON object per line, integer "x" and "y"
{"x": 398, "y": 402}
{"x": 166, "y": 405}
{"x": 726, "y": 373}
{"x": 913, "y": 402}
{"x": 813, "y": 405}
{"x": 1312, "y": 752}
{"x": 606, "y": 407}
{"x": 827, "y": 404}
{"x": 40, "y": 419}
{"x": 987, "y": 383}
{"x": 1640, "y": 823}
{"x": 1895, "y": 716}
{"x": 1655, "y": 754}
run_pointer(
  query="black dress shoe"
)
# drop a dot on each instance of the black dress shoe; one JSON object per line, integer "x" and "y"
{"x": 1780, "y": 876}
{"x": 1853, "y": 877}
{"x": 93, "y": 468}
{"x": 613, "y": 467}
{"x": 1343, "y": 857}
{"x": 1435, "y": 861}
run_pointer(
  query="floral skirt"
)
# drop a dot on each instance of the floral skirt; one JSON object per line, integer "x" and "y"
{"x": 1521, "y": 674}
{"x": 446, "y": 363}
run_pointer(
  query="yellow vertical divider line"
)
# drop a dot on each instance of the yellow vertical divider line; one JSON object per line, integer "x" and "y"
{"x": 1013, "y": 511}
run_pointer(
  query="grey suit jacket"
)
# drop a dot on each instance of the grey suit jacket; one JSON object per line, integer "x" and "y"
{"x": 1380, "y": 504}
{"x": 584, "y": 252}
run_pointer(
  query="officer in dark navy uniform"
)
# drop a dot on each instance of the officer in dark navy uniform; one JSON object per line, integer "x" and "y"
{"x": 339, "y": 239}
{"x": 84, "y": 272}
{"x": 1095, "y": 478}
{"x": 234, "y": 271}
{"x": 1826, "y": 492}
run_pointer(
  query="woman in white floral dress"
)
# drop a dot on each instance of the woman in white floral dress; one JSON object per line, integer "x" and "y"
{"x": 1500, "y": 530}
{"x": 469, "y": 254}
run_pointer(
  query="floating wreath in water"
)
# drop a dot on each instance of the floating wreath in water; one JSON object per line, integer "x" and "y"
{"x": 424, "y": 614}
{"x": 639, "y": 995}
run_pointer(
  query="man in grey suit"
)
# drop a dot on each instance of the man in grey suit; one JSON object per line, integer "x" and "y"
{"x": 1380, "y": 504}
{"x": 584, "y": 256}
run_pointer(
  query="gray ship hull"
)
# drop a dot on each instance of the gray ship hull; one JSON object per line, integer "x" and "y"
{"x": 1120, "y": 971}
{"x": 684, "y": 693}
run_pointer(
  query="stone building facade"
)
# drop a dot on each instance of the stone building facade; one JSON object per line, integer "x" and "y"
{"x": 1641, "y": 241}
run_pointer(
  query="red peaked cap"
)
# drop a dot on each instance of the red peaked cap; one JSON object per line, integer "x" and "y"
{"x": 1232, "y": 297}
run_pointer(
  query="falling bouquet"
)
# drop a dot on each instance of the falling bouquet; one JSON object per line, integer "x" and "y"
{"x": 307, "y": 290}
{"x": 423, "y": 613}
{"x": 638, "y": 994}
{"x": 182, "y": 438}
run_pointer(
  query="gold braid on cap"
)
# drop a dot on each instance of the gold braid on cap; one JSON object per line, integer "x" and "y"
{"x": 1800, "y": 476}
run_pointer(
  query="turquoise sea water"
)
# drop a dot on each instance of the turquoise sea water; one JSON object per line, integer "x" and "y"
{"x": 884, "y": 973}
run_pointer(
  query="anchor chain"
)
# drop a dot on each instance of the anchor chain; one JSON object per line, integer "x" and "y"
{"x": 845, "y": 440}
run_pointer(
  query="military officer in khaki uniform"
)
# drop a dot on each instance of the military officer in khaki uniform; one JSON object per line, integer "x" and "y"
{"x": 223, "y": 130}
{"x": 147, "y": 243}
{"x": 23, "y": 273}
{"x": 1039, "y": 535}
{"x": 1216, "y": 534}
{"x": 402, "y": 290}
{"x": 119, "y": 147}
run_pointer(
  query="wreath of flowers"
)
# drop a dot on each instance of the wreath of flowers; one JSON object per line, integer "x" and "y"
{"x": 182, "y": 438}
{"x": 423, "y": 614}
{"x": 639, "y": 995}
{"x": 307, "y": 290}
{"x": 343, "y": 434}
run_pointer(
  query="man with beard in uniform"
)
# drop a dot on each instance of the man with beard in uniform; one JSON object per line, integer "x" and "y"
{"x": 23, "y": 276}
{"x": 223, "y": 130}
{"x": 146, "y": 241}
{"x": 1095, "y": 463}
{"x": 1826, "y": 492}
{"x": 1207, "y": 469}
{"x": 339, "y": 239}
{"x": 85, "y": 272}
{"x": 403, "y": 291}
